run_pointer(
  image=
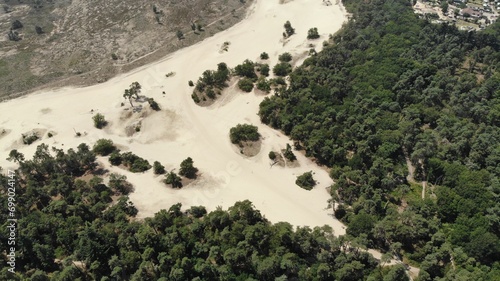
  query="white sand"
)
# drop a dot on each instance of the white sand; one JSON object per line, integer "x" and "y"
{"x": 184, "y": 129}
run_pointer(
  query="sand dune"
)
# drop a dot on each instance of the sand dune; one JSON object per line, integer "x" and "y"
{"x": 183, "y": 129}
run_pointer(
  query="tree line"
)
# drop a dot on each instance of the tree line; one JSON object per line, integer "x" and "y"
{"x": 84, "y": 228}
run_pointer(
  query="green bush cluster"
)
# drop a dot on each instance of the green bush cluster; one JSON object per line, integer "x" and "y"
{"x": 243, "y": 132}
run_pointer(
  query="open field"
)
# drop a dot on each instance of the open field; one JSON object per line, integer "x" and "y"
{"x": 83, "y": 43}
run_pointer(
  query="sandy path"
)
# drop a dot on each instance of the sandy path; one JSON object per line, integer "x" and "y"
{"x": 184, "y": 129}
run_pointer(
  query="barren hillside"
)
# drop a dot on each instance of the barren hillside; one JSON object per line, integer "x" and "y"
{"x": 48, "y": 42}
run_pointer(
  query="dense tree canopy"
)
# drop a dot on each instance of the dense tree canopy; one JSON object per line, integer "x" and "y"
{"x": 395, "y": 94}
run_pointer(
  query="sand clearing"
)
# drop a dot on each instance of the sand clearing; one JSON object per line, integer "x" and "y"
{"x": 183, "y": 129}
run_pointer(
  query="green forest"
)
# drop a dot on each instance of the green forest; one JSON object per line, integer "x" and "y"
{"x": 391, "y": 92}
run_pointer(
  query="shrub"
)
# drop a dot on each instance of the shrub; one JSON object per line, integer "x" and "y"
{"x": 211, "y": 93}
{"x": 179, "y": 35}
{"x": 114, "y": 56}
{"x": 272, "y": 155}
{"x": 187, "y": 168}
{"x": 158, "y": 168}
{"x": 245, "y": 85}
{"x": 13, "y": 35}
{"x": 306, "y": 181}
{"x": 282, "y": 69}
{"x": 313, "y": 33}
{"x": 104, "y": 147}
{"x": 288, "y": 29}
{"x": 30, "y": 138}
{"x": 154, "y": 105}
{"x": 244, "y": 132}
{"x": 195, "y": 98}
{"x": 49, "y": 134}
{"x": 135, "y": 163}
{"x": 246, "y": 69}
{"x": 99, "y": 121}
{"x": 38, "y": 30}
{"x": 197, "y": 211}
{"x": 190, "y": 83}
{"x": 278, "y": 81}
{"x": 173, "y": 179}
{"x": 263, "y": 85}
{"x": 264, "y": 69}
{"x": 115, "y": 158}
{"x": 289, "y": 154}
{"x": 285, "y": 57}
{"x": 17, "y": 24}
{"x": 264, "y": 56}
{"x": 120, "y": 183}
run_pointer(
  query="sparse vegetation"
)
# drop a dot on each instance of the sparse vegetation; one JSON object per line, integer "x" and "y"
{"x": 71, "y": 50}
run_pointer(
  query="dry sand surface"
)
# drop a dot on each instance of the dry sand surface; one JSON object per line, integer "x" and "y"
{"x": 182, "y": 129}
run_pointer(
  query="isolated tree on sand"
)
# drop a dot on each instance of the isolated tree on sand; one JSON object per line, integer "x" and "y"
{"x": 187, "y": 168}
{"x": 99, "y": 121}
{"x": 306, "y": 181}
{"x": 133, "y": 91}
{"x": 173, "y": 179}
{"x": 289, "y": 30}
{"x": 313, "y": 33}
{"x": 158, "y": 168}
